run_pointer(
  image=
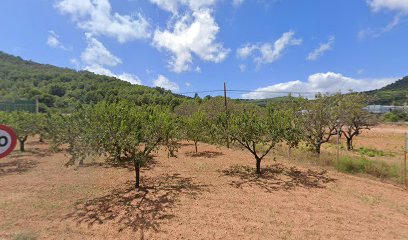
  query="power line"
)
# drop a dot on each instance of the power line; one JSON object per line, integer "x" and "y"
{"x": 249, "y": 91}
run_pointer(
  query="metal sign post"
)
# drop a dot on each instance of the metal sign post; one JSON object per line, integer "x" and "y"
{"x": 8, "y": 141}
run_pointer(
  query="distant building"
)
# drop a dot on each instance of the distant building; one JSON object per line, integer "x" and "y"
{"x": 384, "y": 109}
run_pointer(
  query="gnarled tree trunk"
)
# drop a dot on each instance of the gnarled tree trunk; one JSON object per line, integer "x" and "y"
{"x": 258, "y": 165}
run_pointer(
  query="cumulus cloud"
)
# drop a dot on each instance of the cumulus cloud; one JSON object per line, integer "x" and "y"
{"x": 165, "y": 83}
{"x": 192, "y": 34}
{"x": 320, "y": 82}
{"x": 324, "y": 47}
{"x": 268, "y": 52}
{"x": 96, "y": 16}
{"x": 394, "y": 5}
{"x": 54, "y": 42}
{"x": 97, "y": 54}
{"x": 97, "y": 58}
{"x": 133, "y": 79}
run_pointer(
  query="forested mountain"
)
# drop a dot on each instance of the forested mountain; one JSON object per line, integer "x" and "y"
{"x": 393, "y": 94}
{"x": 62, "y": 88}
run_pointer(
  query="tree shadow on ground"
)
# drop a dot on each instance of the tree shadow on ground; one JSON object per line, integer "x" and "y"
{"x": 186, "y": 144}
{"x": 32, "y": 152}
{"x": 205, "y": 154}
{"x": 147, "y": 165}
{"x": 277, "y": 177}
{"x": 16, "y": 166}
{"x": 136, "y": 210}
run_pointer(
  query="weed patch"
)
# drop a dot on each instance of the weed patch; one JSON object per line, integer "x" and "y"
{"x": 378, "y": 169}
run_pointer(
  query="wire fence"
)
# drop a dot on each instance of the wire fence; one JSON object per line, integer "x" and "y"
{"x": 20, "y": 105}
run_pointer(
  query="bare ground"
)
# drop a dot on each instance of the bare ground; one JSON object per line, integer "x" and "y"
{"x": 213, "y": 195}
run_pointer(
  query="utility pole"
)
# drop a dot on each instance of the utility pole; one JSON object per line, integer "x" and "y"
{"x": 338, "y": 147}
{"x": 226, "y": 113}
{"x": 405, "y": 159}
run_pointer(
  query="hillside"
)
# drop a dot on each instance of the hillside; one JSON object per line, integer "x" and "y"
{"x": 393, "y": 94}
{"x": 64, "y": 88}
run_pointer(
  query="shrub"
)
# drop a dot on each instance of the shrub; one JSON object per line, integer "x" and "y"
{"x": 371, "y": 152}
{"x": 378, "y": 169}
{"x": 391, "y": 117}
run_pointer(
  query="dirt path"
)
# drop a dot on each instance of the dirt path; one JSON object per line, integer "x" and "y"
{"x": 210, "y": 196}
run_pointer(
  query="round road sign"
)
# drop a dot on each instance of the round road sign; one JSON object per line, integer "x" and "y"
{"x": 8, "y": 141}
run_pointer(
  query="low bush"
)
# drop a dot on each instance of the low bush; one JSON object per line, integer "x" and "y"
{"x": 396, "y": 116}
{"x": 378, "y": 169}
{"x": 370, "y": 152}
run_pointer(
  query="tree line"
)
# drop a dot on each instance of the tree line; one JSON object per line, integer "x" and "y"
{"x": 123, "y": 132}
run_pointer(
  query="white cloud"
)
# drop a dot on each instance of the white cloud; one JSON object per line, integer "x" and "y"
{"x": 268, "y": 52}
{"x": 360, "y": 71}
{"x": 96, "y": 16}
{"x": 165, "y": 83}
{"x": 398, "y": 6}
{"x": 97, "y": 54}
{"x": 324, "y": 47}
{"x": 242, "y": 67}
{"x": 188, "y": 84}
{"x": 133, "y": 79}
{"x": 246, "y": 51}
{"x": 320, "y": 82}
{"x": 377, "y": 32}
{"x": 97, "y": 58}
{"x": 53, "y": 41}
{"x": 237, "y": 3}
{"x": 174, "y": 5}
{"x": 75, "y": 63}
{"x": 193, "y": 33}
{"x": 394, "y": 5}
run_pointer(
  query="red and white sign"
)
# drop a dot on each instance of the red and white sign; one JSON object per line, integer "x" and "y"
{"x": 8, "y": 141}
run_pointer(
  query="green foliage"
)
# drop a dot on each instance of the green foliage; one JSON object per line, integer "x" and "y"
{"x": 396, "y": 116}
{"x": 24, "y": 124}
{"x": 393, "y": 94}
{"x": 378, "y": 169}
{"x": 320, "y": 120}
{"x": 293, "y": 134}
{"x": 196, "y": 127}
{"x": 119, "y": 131}
{"x": 370, "y": 152}
{"x": 64, "y": 89}
{"x": 259, "y": 131}
{"x": 353, "y": 119}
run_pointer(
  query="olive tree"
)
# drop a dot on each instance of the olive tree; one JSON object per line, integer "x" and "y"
{"x": 119, "y": 131}
{"x": 354, "y": 119}
{"x": 293, "y": 106}
{"x": 195, "y": 128}
{"x": 259, "y": 131}
{"x": 24, "y": 125}
{"x": 320, "y": 120}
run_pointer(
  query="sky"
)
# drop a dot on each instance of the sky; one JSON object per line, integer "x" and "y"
{"x": 260, "y": 48}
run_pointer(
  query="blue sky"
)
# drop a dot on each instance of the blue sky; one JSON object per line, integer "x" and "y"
{"x": 196, "y": 45}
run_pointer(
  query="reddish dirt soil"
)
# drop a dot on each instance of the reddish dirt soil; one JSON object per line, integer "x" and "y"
{"x": 384, "y": 137}
{"x": 214, "y": 195}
